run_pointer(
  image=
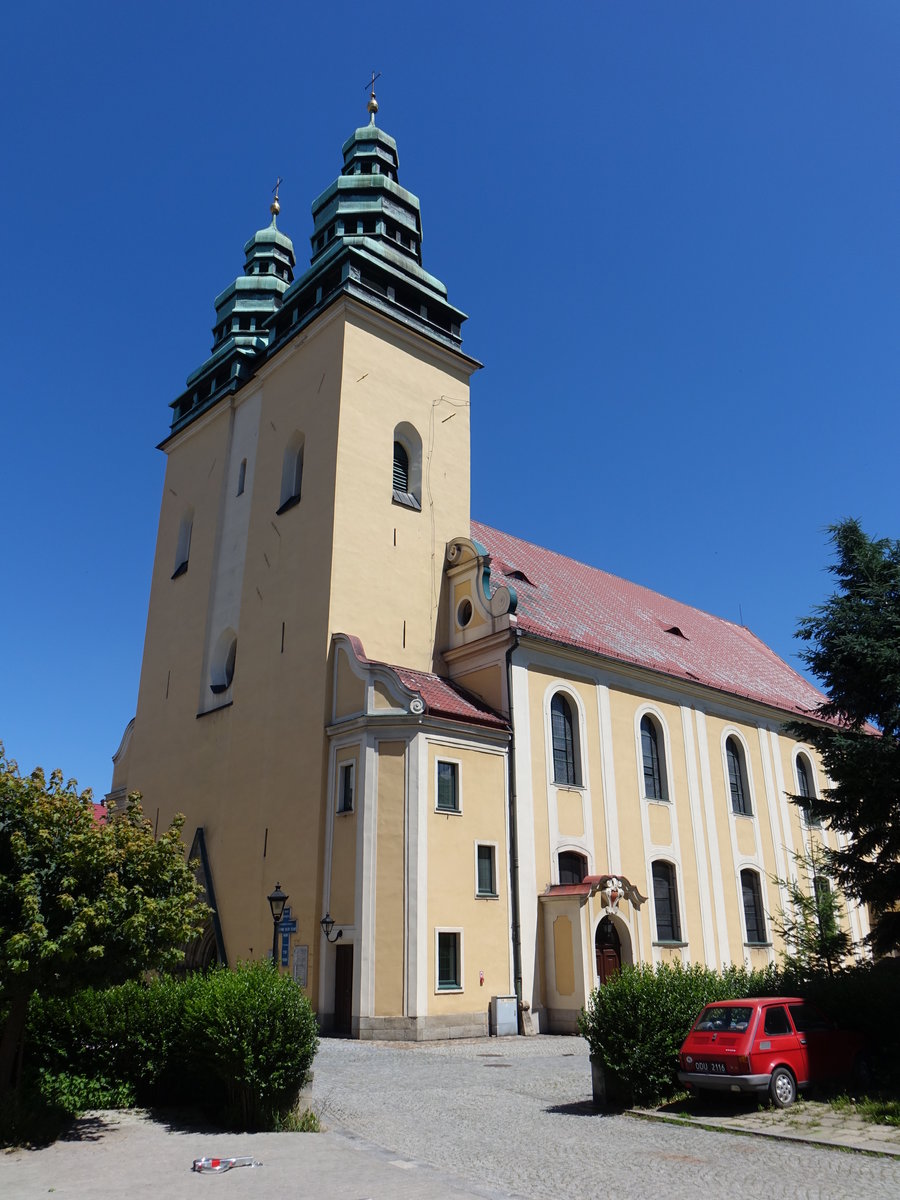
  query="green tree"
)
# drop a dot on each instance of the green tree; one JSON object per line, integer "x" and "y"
{"x": 82, "y": 902}
{"x": 810, "y": 923}
{"x": 853, "y": 647}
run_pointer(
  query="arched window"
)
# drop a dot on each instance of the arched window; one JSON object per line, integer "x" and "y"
{"x": 665, "y": 902}
{"x": 654, "y": 768}
{"x": 805, "y": 788}
{"x": 406, "y": 478}
{"x": 754, "y": 917}
{"x": 292, "y": 473}
{"x": 737, "y": 778}
{"x": 566, "y": 768}
{"x": 183, "y": 547}
{"x": 572, "y": 867}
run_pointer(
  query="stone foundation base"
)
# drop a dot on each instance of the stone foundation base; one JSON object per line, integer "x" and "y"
{"x": 421, "y": 1029}
{"x": 561, "y": 1020}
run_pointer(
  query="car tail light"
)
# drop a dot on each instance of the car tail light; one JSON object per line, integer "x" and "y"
{"x": 739, "y": 1065}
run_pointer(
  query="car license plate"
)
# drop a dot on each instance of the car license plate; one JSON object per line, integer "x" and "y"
{"x": 710, "y": 1068}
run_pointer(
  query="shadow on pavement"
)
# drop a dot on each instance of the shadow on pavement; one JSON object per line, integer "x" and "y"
{"x": 579, "y": 1108}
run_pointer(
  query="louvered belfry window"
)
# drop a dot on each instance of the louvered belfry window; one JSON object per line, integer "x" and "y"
{"x": 401, "y": 468}
{"x": 562, "y": 733}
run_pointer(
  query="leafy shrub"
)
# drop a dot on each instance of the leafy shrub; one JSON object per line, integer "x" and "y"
{"x": 635, "y": 1024}
{"x": 239, "y": 1043}
{"x": 253, "y": 1033}
{"x": 122, "y": 1034}
{"x": 75, "y": 1093}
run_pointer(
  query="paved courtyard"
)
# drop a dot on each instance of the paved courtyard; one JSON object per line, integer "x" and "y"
{"x": 481, "y": 1120}
{"x": 515, "y": 1115}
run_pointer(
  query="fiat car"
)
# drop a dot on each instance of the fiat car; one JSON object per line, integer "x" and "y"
{"x": 776, "y": 1045}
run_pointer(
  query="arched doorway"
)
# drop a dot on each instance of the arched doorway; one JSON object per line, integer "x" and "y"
{"x": 609, "y": 950}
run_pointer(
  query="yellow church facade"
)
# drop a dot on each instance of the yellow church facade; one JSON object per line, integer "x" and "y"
{"x": 499, "y": 772}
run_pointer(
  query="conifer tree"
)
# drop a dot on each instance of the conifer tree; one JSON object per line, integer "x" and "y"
{"x": 853, "y": 647}
{"x": 810, "y": 924}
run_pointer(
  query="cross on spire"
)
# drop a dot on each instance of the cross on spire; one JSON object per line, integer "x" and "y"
{"x": 275, "y": 206}
{"x": 373, "y": 103}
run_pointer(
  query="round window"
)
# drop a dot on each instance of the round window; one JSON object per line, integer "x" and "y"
{"x": 464, "y": 613}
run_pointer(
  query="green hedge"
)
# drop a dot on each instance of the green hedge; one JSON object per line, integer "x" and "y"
{"x": 238, "y": 1043}
{"x": 636, "y": 1023}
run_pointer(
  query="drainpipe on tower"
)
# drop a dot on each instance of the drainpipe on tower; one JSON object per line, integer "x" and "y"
{"x": 514, "y": 844}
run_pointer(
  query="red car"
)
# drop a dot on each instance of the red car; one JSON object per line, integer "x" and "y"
{"x": 778, "y": 1045}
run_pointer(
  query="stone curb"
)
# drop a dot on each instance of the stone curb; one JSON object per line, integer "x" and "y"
{"x": 645, "y": 1114}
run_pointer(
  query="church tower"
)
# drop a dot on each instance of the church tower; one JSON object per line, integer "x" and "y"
{"x": 317, "y": 466}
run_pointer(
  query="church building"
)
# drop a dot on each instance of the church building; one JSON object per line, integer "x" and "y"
{"x": 477, "y": 768}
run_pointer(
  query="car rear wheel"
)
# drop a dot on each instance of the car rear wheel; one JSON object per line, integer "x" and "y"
{"x": 782, "y": 1088}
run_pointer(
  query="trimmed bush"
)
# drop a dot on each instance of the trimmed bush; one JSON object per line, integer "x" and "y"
{"x": 237, "y": 1043}
{"x": 635, "y": 1024}
{"x": 252, "y": 1033}
{"x": 124, "y": 1035}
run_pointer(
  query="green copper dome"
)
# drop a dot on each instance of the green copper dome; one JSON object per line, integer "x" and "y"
{"x": 366, "y": 243}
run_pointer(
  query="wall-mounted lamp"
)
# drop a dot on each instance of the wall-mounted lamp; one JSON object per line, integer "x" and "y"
{"x": 277, "y": 901}
{"x": 327, "y": 924}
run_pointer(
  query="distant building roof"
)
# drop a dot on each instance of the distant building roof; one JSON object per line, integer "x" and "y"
{"x": 565, "y": 601}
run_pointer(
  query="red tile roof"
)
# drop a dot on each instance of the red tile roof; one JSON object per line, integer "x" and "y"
{"x": 567, "y": 602}
{"x": 444, "y": 698}
{"x": 441, "y": 697}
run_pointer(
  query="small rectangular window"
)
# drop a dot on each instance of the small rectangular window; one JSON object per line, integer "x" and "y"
{"x": 345, "y": 787}
{"x": 486, "y": 867}
{"x": 448, "y": 786}
{"x": 449, "y": 973}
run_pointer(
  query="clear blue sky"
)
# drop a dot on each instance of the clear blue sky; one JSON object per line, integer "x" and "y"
{"x": 674, "y": 227}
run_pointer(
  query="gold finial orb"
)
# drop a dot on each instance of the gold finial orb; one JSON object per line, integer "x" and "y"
{"x": 372, "y": 106}
{"x": 275, "y": 207}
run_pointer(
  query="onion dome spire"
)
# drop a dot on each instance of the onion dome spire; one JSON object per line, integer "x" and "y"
{"x": 240, "y": 334}
{"x": 367, "y": 242}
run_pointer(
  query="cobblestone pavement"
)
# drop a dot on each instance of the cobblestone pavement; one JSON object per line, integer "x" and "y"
{"x": 514, "y": 1116}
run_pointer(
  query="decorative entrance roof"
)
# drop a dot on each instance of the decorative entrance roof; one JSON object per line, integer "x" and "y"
{"x": 567, "y": 602}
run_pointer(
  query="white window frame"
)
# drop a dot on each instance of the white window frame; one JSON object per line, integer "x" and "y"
{"x": 565, "y": 689}
{"x": 479, "y": 894}
{"x": 763, "y": 917}
{"x": 348, "y": 764}
{"x": 802, "y": 752}
{"x": 460, "y": 962}
{"x": 732, "y": 731}
{"x": 448, "y": 812}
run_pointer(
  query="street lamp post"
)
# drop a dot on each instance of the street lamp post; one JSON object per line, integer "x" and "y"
{"x": 277, "y": 901}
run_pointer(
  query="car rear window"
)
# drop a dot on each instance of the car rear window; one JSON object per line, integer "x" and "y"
{"x": 717, "y": 1017}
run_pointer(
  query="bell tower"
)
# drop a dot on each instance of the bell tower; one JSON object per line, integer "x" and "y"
{"x": 317, "y": 466}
